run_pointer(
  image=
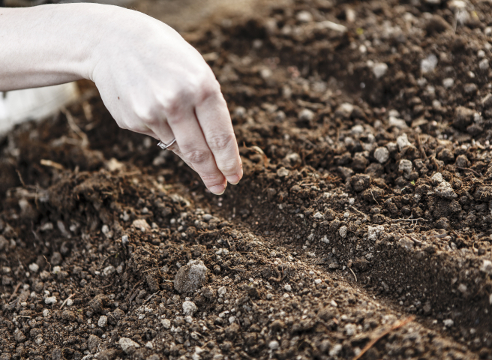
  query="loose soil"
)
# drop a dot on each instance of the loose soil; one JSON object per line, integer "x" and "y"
{"x": 366, "y": 201}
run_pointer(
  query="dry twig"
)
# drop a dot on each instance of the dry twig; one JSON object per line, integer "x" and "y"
{"x": 383, "y": 334}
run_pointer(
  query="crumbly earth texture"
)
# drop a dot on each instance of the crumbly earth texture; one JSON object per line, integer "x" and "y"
{"x": 361, "y": 229}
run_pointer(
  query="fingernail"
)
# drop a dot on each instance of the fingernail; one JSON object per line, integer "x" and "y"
{"x": 217, "y": 189}
{"x": 234, "y": 179}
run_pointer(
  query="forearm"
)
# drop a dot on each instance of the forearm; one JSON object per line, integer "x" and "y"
{"x": 49, "y": 44}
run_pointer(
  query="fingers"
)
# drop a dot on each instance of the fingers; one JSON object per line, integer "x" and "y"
{"x": 215, "y": 122}
{"x": 192, "y": 147}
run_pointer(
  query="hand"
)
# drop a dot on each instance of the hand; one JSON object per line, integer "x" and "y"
{"x": 153, "y": 82}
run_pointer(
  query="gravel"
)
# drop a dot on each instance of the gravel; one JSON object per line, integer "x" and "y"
{"x": 190, "y": 277}
{"x": 445, "y": 190}
{"x": 127, "y": 344}
{"x": 381, "y": 154}
{"x": 189, "y": 308}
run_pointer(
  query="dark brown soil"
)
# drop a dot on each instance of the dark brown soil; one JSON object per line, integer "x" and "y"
{"x": 367, "y": 199}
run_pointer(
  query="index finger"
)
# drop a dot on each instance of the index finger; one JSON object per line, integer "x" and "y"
{"x": 216, "y": 124}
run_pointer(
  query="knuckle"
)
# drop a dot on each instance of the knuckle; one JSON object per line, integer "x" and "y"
{"x": 197, "y": 156}
{"x": 220, "y": 142}
{"x": 229, "y": 168}
{"x": 209, "y": 88}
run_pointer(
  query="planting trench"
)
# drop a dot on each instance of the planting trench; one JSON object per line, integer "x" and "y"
{"x": 365, "y": 201}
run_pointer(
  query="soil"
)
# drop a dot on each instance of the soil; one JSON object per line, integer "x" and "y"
{"x": 362, "y": 227}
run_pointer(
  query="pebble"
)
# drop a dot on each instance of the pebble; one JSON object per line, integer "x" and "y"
{"x": 357, "y": 129}
{"x": 189, "y": 308}
{"x": 306, "y": 115}
{"x": 34, "y": 267}
{"x": 274, "y": 345}
{"x": 381, "y": 154}
{"x": 486, "y": 267}
{"x": 402, "y": 141}
{"x": 379, "y": 69}
{"x": 448, "y": 82}
{"x": 445, "y": 190}
{"x": 483, "y": 64}
{"x": 374, "y": 232}
{"x": 50, "y": 300}
{"x": 127, "y": 343}
{"x": 166, "y": 323}
{"x": 398, "y": 123}
{"x": 109, "y": 270}
{"x": 437, "y": 178}
{"x": 287, "y": 287}
{"x": 207, "y": 217}
{"x": 335, "y": 350}
{"x": 46, "y": 313}
{"x": 405, "y": 166}
{"x": 428, "y": 64}
{"x": 103, "y": 321}
{"x": 190, "y": 277}
{"x": 343, "y": 231}
{"x": 448, "y": 322}
{"x": 304, "y": 16}
{"x": 141, "y": 225}
{"x": 93, "y": 343}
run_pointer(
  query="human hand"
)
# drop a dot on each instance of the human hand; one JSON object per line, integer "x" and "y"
{"x": 153, "y": 82}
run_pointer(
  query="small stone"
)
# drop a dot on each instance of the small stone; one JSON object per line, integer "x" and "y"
{"x": 19, "y": 336}
{"x": 344, "y": 110}
{"x": 448, "y": 322}
{"x": 287, "y": 287}
{"x": 190, "y": 277}
{"x": 306, "y": 115}
{"x": 166, "y": 323}
{"x": 33, "y": 267}
{"x": 109, "y": 270}
{"x": 379, "y": 69}
{"x": 486, "y": 267}
{"x": 402, "y": 142}
{"x": 126, "y": 344}
{"x": 357, "y": 129}
{"x": 462, "y": 288}
{"x": 381, "y": 154}
{"x": 405, "y": 166}
{"x": 103, "y": 321}
{"x": 93, "y": 343}
{"x": 448, "y": 82}
{"x": 428, "y": 64}
{"x": 50, "y": 300}
{"x": 437, "y": 178}
{"x": 273, "y": 345}
{"x": 374, "y": 232}
{"x": 398, "y": 123}
{"x": 343, "y": 231}
{"x": 283, "y": 172}
{"x": 46, "y": 313}
{"x": 141, "y": 225}
{"x": 335, "y": 350}
{"x": 445, "y": 190}
{"x": 189, "y": 308}
{"x": 304, "y": 16}
{"x": 483, "y": 64}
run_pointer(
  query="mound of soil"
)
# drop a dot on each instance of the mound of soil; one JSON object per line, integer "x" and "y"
{"x": 361, "y": 228}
